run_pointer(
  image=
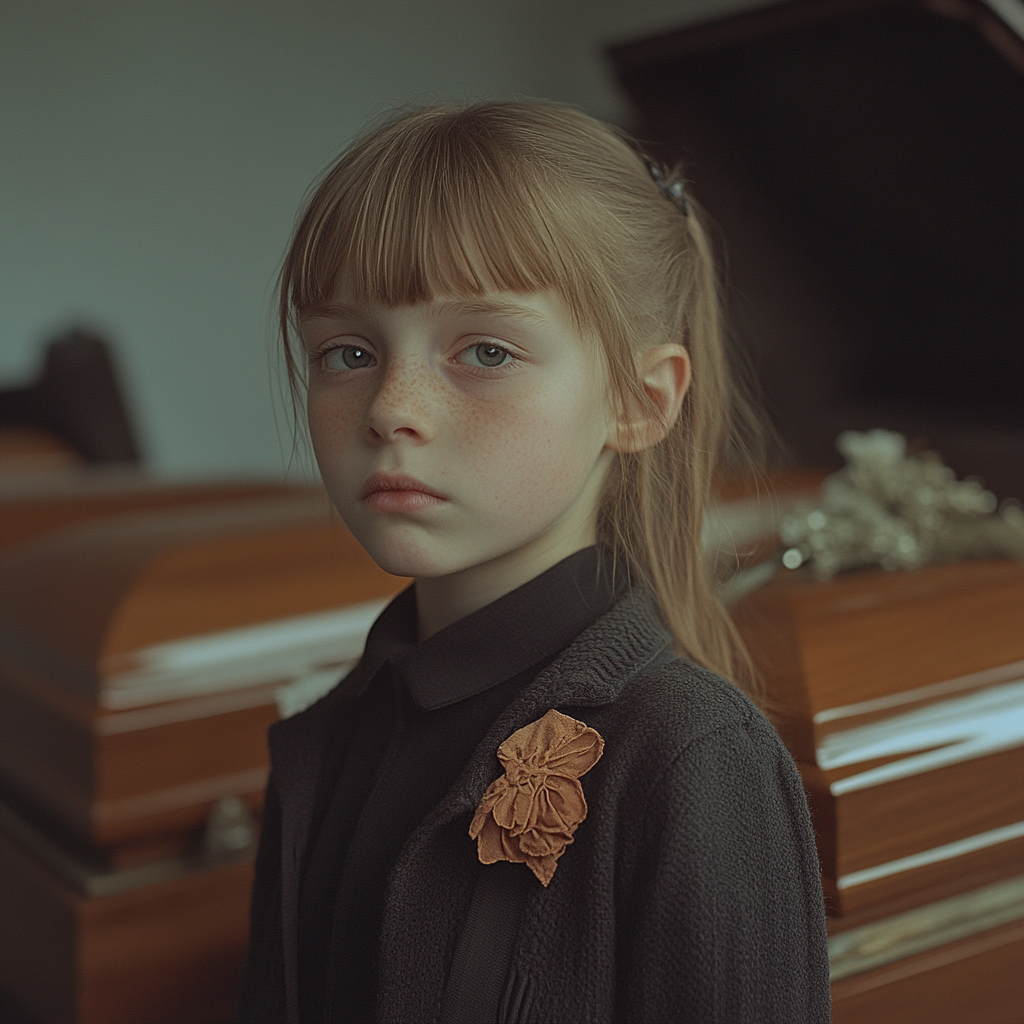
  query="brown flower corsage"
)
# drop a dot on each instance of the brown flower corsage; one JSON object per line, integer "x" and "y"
{"x": 531, "y": 813}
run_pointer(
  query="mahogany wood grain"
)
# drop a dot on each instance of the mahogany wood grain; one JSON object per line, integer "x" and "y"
{"x": 884, "y": 897}
{"x": 870, "y": 634}
{"x": 135, "y": 763}
{"x": 77, "y": 603}
{"x": 977, "y": 980}
{"x": 168, "y": 953}
{"x": 882, "y": 823}
{"x": 103, "y": 790}
{"x": 37, "y": 504}
{"x": 874, "y": 634}
{"x": 307, "y": 564}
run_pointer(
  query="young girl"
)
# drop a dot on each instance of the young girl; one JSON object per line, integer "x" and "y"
{"x": 537, "y": 798}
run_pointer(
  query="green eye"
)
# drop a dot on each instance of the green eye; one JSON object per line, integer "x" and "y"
{"x": 490, "y": 355}
{"x": 348, "y": 357}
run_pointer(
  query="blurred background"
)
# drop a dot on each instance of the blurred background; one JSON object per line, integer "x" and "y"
{"x": 154, "y": 158}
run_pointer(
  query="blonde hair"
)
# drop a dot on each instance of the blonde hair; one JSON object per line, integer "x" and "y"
{"x": 531, "y": 196}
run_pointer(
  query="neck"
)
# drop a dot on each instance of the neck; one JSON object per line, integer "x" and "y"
{"x": 442, "y": 600}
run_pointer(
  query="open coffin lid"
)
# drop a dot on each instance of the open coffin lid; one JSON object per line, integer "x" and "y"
{"x": 142, "y": 658}
{"x": 901, "y": 696}
{"x": 862, "y": 160}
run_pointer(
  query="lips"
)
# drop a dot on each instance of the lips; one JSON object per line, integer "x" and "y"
{"x": 396, "y": 492}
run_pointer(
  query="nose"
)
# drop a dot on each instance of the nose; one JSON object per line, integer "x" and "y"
{"x": 401, "y": 408}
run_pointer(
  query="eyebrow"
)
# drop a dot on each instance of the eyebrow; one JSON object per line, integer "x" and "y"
{"x": 490, "y": 307}
{"x": 332, "y": 311}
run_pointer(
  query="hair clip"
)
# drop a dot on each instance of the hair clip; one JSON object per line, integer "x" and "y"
{"x": 673, "y": 192}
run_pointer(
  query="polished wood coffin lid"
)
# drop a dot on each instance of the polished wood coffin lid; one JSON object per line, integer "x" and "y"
{"x": 900, "y": 696}
{"x": 35, "y": 503}
{"x": 77, "y": 605}
{"x": 826, "y": 648}
{"x": 86, "y": 609}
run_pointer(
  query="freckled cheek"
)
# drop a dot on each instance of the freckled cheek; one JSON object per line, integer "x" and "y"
{"x": 525, "y": 458}
{"x": 333, "y": 426}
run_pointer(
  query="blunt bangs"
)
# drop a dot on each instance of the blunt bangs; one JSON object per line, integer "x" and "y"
{"x": 439, "y": 204}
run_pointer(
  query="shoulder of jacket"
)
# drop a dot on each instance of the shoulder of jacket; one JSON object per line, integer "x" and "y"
{"x": 676, "y": 704}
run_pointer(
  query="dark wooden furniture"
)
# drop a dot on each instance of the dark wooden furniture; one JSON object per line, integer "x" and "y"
{"x": 170, "y": 951}
{"x": 862, "y": 160}
{"x": 893, "y": 691}
{"x": 142, "y": 658}
{"x": 976, "y": 979}
{"x": 36, "y": 503}
{"x": 901, "y": 697}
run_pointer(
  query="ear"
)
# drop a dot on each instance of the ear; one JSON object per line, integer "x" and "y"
{"x": 665, "y": 371}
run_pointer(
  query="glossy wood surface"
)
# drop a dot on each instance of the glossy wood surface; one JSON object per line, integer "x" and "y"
{"x": 883, "y": 823}
{"x": 870, "y": 634}
{"x": 34, "y": 504}
{"x": 76, "y": 602}
{"x": 893, "y": 894}
{"x": 977, "y": 980}
{"x": 166, "y": 954}
{"x": 108, "y": 789}
{"x": 873, "y": 634}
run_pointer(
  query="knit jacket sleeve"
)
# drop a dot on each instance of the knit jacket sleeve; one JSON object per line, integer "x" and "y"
{"x": 724, "y": 919}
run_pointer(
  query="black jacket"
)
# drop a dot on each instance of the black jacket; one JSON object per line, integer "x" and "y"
{"x": 691, "y": 892}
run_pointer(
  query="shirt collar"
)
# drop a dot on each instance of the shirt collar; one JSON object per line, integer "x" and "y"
{"x": 495, "y": 643}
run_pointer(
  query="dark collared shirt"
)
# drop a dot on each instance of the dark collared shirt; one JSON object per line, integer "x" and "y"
{"x": 399, "y": 748}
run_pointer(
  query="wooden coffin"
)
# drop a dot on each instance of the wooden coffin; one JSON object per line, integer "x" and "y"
{"x": 32, "y": 504}
{"x": 901, "y": 696}
{"x": 977, "y": 979}
{"x": 143, "y": 657}
{"x": 957, "y": 959}
{"x": 168, "y": 951}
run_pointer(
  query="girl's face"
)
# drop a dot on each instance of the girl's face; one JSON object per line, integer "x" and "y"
{"x": 460, "y": 436}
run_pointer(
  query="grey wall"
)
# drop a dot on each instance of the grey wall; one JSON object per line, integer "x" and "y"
{"x": 154, "y": 155}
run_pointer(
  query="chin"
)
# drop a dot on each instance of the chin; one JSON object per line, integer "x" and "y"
{"x": 407, "y": 558}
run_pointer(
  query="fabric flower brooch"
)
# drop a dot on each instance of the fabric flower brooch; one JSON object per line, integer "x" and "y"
{"x": 531, "y": 813}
